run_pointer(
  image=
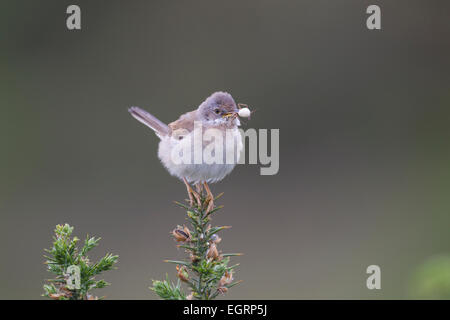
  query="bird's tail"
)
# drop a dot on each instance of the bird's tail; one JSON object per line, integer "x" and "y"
{"x": 160, "y": 128}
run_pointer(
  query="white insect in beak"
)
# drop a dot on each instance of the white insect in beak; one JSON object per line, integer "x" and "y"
{"x": 244, "y": 112}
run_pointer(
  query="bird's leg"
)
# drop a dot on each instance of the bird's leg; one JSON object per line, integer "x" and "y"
{"x": 199, "y": 188}
{"x": 209, "y": 198}
{"x": 192, "y": 194}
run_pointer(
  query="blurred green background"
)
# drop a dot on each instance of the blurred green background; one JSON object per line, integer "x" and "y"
{"x": 364, "y": 140}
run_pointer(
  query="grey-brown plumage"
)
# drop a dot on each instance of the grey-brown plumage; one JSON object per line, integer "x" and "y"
{"x": 215, "y": 113}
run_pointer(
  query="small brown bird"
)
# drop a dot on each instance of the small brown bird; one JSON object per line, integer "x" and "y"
{"x": 219, "y": 111}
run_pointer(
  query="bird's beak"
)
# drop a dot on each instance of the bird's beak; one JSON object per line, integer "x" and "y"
{"x": 228, "y": 114}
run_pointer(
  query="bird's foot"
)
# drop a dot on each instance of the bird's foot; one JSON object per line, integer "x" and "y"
{"x": 199, "y": 188}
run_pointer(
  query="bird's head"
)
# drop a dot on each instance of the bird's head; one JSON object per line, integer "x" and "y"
{"x": 218, "y": 107}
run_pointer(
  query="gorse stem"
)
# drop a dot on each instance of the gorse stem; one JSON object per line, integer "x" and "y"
{"x": 206, "y": 271}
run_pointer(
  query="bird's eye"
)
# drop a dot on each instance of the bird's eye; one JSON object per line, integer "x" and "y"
{"x": 217, "y": 111}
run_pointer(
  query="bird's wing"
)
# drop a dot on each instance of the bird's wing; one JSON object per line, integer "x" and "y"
{"x": 186, "y": 122}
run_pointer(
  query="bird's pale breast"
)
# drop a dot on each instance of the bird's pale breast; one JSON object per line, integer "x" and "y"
{"x": 181, "y": 156}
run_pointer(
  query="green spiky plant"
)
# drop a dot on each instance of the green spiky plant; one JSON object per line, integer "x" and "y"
{"x": 65, "y": 259}
{"x": 205, "y": 272}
